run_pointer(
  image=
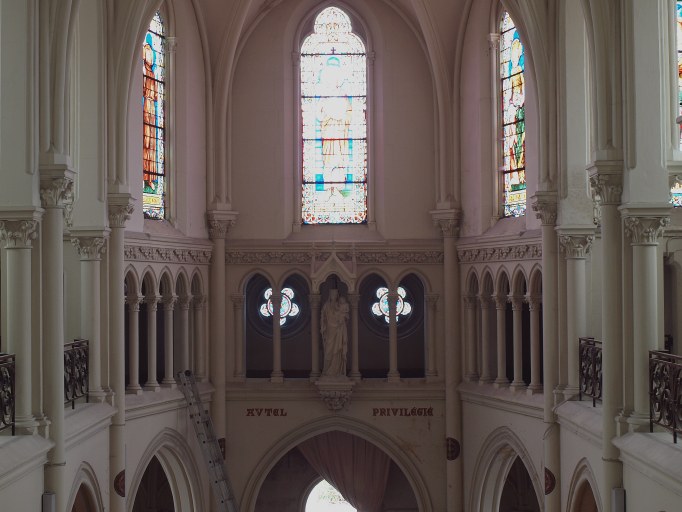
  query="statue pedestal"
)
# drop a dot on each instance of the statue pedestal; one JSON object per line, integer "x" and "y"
{"x": 335, "y": 391}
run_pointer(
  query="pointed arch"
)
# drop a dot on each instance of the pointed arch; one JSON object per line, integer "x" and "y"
{"x": 583, "y": 483}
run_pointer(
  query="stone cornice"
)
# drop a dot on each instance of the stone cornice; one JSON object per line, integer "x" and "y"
{"x": 367, "y": 257}
{"x": 529, "y": 251}
{"x": 166, "y": 254}
{"x": 18, "y": 234}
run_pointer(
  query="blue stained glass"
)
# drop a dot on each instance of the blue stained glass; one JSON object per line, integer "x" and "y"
{"x": 154, "y": 120}
{"x": 512, "y": 65}
{"x": 334, "y": 122}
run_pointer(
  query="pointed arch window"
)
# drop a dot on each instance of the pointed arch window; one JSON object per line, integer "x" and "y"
{"x": 154, "y": 191}
{"x": 334, "y": 122}
{"x": 676, "y": 190}
{"x": 513, "y": 119}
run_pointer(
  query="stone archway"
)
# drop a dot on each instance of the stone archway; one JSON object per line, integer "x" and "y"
{"x": 154, "y": 492}
{"x": 585, "y": 501}
{"x": 83, "y": 501}
{"x": 518, "y": 494}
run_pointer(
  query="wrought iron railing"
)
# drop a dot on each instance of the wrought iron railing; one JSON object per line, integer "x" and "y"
{"x": 590, "y": 355}
{"x": 7, "y": 392}
{"x": 665, "y": 391}
{"x": 75, "y": 371}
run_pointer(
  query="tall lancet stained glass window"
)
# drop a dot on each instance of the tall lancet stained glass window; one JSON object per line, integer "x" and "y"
{"x": 512, "y": 62}
{"x": 676, "y": 191}
{"x": 334, "y": 124}
{"x": 154, "y": 120}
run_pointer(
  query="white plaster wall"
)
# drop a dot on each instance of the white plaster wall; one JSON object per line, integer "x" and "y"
{"x": 264, "y": 173}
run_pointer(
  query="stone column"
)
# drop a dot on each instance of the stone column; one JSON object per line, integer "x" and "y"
{"x": 218, "y": 226}
{"x": 486, "y": 339}
{"x": 315, "y": 336}
{"x": 393, "y": 374}
{"x": 238, "y": 311}
{"x": 517, "y": 313}
{"x": 545, "y": 206}
{"x": 152, "y": 339}
{"x": 277, "y": 375}
{"x": 168, "y": 310}
{"x": 448, "y": 223}
{"x": 18, "y": 236}
{"x": 90, "y": 248}
{"x": 535, "y": 385}
{"x": 56, "y": 190}
{"x": 501, "y": 381}
{"x": 120, "y": 210}
{"x": 199, "y": 338}
{"x": 606, "y": 185}
{"x": 575, "y": 243}
{"x": 431, "y": 310}
{"x": 644, "y": 225}
{"x": 354, "y": 300}
{"x": 183, "y": 334}
{"x": 133, "y": 302}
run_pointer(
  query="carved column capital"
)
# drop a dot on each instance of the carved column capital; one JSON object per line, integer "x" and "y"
{"x": 432, "y": 300}
{"x": 152, "y": 302}
{"x": 534, "y": 302}
{"x": 517, "y": 302}
{"x": 133, "y": 302}
{"x": 56, "y": 189}
{"x": 606, "y": 188}
{"x": 447, "y": 221}
{"x": 199, "y": 302}
{"x": 183, "y": 302}
{"x": 486, "y": 301}
{"x": 119, "y": 214}
{"x": 494, "y": 41}
{"x": 645, "y": 230}
{"x": 90, "y": 248}
{"x": 575, "y": 246}
{"x": 544, "y": 205}
{"x": 18, "y": 234}
{"x": 219, "y": 223}
{"x": 169, "y": 302}
{"x": 501, "y": 301}
{"x": 470, "y": 301}
{"x": 315, "y": 299}
{"x": 353, "y": 299}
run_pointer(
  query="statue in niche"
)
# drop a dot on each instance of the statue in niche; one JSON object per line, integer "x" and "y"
{"x": 335, "y": 313}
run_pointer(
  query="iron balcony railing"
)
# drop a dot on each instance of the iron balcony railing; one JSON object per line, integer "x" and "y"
{"x": 590, "y": 359}
{"x": 7, "y": 392}
{"x": 75, "y": 371}
{"x": 665, "y": 391}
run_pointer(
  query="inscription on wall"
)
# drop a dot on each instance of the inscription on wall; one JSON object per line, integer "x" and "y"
{"x": 402, "y": 411}
{"x": 260, "y": 411}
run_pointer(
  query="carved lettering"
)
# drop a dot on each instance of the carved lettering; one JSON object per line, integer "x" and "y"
{"x": 271, "y": 412}
{"x": 402, "y": 411}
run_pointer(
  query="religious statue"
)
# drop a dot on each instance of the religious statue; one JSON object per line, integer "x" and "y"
{"x": 335, "y": 313}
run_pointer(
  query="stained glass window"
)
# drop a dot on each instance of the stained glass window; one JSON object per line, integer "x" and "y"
{"x": 512, "y": 63}
{"x": 402, "y": 307}
{"x": 287, "y": 307}
{"x": 154, "y": 120}
{"x": 334, "y": 124}
{"x": 676, "y": 190}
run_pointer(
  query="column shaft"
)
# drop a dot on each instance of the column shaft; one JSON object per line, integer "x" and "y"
{"x": 168, "y": 345}
{"x": 183, "y": 334}
{"x": 431, "y": 310}
{"x": 535, "y": 361}
{"x": 355, "y": 356}
{"x": 393, "y": 374}
{"x": 199, "y": 339}
{"x": 152, "y": 339}
{"x": 134, "y": 344}
{"x": 517, "y": 314}
{"x": 486, "y": 340}
{"x": 315, "y": 336}
{"x": 238, "y": 310}
{"x": 217, "y": 338}
{"x": 277, "y": 375}
{"x": 501, "y": 307}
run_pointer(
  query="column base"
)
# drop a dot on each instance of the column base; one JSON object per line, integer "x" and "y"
{"x": 98, "y": 396}
{"x": 169, "y": 384}
{"x": 471, "y": 377}
{"x": 43, "y": 426}
{"x": 638, "y": 422}
{"x": 501, "y": 383}
{"x": 485, "y": 380}
{"x": 393, "y": 377}
{"x": 26, "y": 425}
{"x": 534, "y": 389}
{"x": 314, "y": 376}
{"x": 571, "y": 392}
{"x": 355, "y": 376}
{"x": 517, "y": 386}
{"x": 152, "y": 386}
{"x": 277, "y": 377}
{"x": 134, "y": 390}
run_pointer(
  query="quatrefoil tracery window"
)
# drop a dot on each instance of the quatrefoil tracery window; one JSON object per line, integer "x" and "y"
{"x": 381, "y": 307}
{"x": 288, "y": 308}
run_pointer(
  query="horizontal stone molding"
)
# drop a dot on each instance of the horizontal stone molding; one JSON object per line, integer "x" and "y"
{"x": 504, "y": 253}
{"x": 166, "y": 254}
{"x": 361, "y": 257}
